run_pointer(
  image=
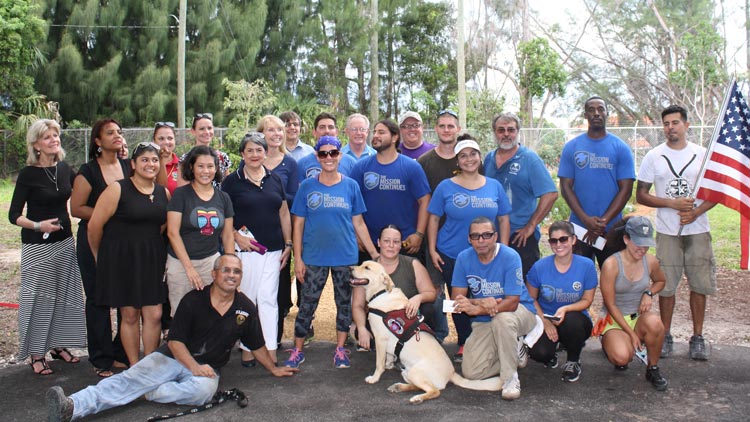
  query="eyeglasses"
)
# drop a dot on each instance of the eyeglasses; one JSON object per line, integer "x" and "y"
{"x": 358, "y": 129}
{"x": 502, "y": 130}
{"x": 485, "y": 235}
{"x": 199, "y": 116}
{"x": 292, "y": 124}
{"x": 451, "y": 112}
{"x": 227, "y": 270}
{"x": 164, "y": 124}
{"x": 561, "y": 239}
{"x": 332, "y": 153}
{"x": 145, "y": 145}
{"x": 411, "y": 126}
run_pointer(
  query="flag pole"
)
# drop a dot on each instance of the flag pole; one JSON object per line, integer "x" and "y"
{"x": 714, "y": 136}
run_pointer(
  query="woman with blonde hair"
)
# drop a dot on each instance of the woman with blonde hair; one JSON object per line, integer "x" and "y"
{"x": 50, "y": 311}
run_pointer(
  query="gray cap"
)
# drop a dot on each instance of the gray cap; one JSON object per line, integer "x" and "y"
{"x": 640, "y": 231}
{"x": 412, "y": 114}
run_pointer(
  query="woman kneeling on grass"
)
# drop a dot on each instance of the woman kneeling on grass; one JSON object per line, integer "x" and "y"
{"x": 629, "y": 280}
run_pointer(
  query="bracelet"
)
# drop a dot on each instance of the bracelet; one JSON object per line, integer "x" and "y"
{"x": 288, "y": 245}
{"x": 420, "y": 234}
{"x": 37, "y": 226}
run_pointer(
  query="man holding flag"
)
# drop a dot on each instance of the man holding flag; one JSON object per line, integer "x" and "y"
{"x": 683, "y": 238}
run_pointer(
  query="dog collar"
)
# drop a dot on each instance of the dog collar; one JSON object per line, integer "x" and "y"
{"x": 377, "y": 294}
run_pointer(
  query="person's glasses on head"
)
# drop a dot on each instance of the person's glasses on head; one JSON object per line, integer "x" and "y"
{"x": 562, "y": 240}
{"x": 164, "y": 124}
{"x": 485, "y": 235}
{"x": 332, "y": 153}
{"x": 144, "y": 145}
{"x": 199, "y": 116}
{"x": 446, "y": 111}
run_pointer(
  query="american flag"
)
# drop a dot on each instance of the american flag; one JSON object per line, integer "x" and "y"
{"x": 727, "y": 171}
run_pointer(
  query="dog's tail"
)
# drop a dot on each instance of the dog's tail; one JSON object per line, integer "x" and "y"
{"x": 489, "y": 384}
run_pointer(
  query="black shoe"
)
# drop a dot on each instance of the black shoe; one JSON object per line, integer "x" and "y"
{"x": 59, "y": 406}
{"x": 552, "y": 364}
{"x": 655, "y": 378}
{"x": 571, "y": 371}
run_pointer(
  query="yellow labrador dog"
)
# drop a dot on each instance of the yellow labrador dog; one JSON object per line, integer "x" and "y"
{"x": 426, "y": 365}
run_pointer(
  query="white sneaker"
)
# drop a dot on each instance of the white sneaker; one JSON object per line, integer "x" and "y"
{"x": 512, "y": 388}
{"x": 523, "y": 353}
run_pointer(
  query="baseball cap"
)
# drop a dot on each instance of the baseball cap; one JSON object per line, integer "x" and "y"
{"x": 412, "y": 114}
{"x": 466, "y": 143}
{"x": 640, "y": 231}
{"x": 328, "y": 140}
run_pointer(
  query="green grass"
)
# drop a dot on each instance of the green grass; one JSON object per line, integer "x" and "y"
{"x": 725, "y": 230}
{"x": 10, "y": 234}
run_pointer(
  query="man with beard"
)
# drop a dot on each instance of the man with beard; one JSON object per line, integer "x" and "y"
{"x": 527, "y": 184}
{"x": 394, "y": 188}
{"x": 596, "y": 179}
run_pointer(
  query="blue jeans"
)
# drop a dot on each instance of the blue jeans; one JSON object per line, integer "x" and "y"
{"x": 160, "y": 378}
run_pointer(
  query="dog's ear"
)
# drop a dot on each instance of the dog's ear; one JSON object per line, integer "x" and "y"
{"x": 388, "y": 282}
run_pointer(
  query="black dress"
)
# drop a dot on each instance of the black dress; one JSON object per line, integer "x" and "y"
{"x": 132, "y": 254}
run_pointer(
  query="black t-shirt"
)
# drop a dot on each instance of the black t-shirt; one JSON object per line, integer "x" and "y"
{"x": 209, "y": 336}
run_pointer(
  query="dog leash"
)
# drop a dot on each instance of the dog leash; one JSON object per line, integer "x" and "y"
{"x": 220, "y": 397}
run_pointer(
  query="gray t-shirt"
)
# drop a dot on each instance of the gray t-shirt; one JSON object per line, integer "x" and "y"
{"x": 202, "y": 221}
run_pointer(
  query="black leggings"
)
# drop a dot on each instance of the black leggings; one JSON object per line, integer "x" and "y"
{"x": 572, "y": 333}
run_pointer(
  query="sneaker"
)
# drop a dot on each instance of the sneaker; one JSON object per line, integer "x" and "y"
{"x": 459, "y": 356}
{"x": 341, "y": 358}
{"x": 296, "y": 357}
{"x": 310, "y": 335}
{"x": 655, "y": 378}
{"x": 571, "y": 371}
{"x": 667, "y": 347}
{"x": 523, "y": 353}
{"x": 698, "y": 350}
{"x": 552, "y": 363}
{"x": 59, "y": 406}
{"x": 512, "y": 388}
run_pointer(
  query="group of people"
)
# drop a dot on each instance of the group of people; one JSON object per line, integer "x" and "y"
{"x": 154, "y": 227}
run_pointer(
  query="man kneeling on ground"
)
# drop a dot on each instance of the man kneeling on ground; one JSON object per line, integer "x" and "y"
{"x": 204, "y": 329}
{"x": 500, "y": 307}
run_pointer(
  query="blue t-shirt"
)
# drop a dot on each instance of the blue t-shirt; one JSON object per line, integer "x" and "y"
{"x": 502, "y": 277}
{"x": 461, "y": 206}
{"x": 368, "y": 152}
{"x": 558, "y": 289}
{"x": 595, "y": 167}
{"x": 308, "y": 166}
{"x": 524, "y": 178}
{"x": 329, "y": 239}
{"x": 390, "y": 192}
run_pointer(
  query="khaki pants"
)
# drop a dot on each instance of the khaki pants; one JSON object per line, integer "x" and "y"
{"x": 492, "y": 347}
{"x": 177, "y": 280}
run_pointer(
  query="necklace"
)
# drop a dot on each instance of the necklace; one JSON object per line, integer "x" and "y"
{"x": 251, "y": 178}
{"x": 52, "y": 177}
{"x": 150, "y": 195}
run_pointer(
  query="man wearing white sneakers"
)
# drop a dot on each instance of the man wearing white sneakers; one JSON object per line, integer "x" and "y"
{"x": 683, "y": 238}
{"x": 500, "y": 307}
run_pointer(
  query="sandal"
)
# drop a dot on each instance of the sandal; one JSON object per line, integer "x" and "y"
{"x": 64, "y": 355}
{"x": 103, "y": 373}
{"x": 46, "y": 370}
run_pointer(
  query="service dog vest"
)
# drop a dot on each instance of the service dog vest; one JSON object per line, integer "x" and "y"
{"x": 402, "y": 327}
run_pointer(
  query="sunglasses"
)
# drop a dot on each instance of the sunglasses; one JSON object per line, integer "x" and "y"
{"x": 411, "y": 126}
{"x": 561, "y": 239}
{"x": 451, "y": 112}
{"x": 332, "y": 153}
{"x": 164, "y": 124}
{"x": 145, "y": 145}
{"x": 485, "y": 235}
{"x": 199, "y": 116}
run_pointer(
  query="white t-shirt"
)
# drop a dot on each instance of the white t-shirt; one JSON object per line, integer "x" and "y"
{"x": 674, "y": 177}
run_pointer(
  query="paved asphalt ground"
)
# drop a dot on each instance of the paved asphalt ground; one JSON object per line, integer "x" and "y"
{"x": 717, "y": 390}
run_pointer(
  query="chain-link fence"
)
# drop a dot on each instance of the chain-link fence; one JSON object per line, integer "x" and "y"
{"x": 547, "y": 142}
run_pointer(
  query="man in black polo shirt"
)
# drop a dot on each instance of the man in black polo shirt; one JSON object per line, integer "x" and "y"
{"x": 205, "y": 327}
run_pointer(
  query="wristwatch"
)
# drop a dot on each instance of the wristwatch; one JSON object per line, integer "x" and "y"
{"x": 649, "y": 293}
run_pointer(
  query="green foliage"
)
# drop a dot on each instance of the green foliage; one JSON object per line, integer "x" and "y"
{"x": 20, "y": 31}
{"x": 246, "y": 102}
{"x": 540, "y": 70}
{"x": 550, "y": 146}
{"x": 701, "y": 63}
{"x": 481, "y": 108}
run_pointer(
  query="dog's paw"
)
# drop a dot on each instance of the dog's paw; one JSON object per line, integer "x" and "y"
{"x": 395, "y": 388}
{"x": 416, "y": 399}
{"x": 372, "y": 379}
